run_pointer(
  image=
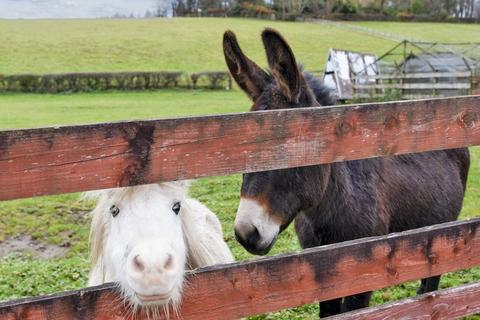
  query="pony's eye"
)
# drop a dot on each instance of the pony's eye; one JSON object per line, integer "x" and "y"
{"x": 176, "y": 207}
{"x": 114, "y": 210}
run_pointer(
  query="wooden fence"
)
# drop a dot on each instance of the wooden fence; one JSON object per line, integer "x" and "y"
{"x": 415, "y": 85}
{"x": 66, "y": 159}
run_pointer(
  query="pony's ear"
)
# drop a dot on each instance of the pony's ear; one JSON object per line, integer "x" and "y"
{"x": 248, "y": 75}
{"x": 282, "y": 64}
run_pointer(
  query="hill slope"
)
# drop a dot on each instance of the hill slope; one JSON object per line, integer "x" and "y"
{"x": 187, "y": 44}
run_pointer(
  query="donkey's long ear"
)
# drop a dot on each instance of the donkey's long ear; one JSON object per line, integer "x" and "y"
{"x": 248, "y": 75}
{"x": 282, "y": 64}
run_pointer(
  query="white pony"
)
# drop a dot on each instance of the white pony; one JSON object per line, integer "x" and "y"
{"x": 145, "y": 237}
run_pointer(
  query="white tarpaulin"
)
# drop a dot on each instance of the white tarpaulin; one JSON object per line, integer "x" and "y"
{"x": 343, "y": 66}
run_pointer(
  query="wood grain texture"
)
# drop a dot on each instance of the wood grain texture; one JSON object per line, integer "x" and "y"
{"x": 67, "y": 159}
{"x": 452, "y": 303}
{"x": 272, "y": 283}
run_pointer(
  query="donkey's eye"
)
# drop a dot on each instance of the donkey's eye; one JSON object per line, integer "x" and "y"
{"x": 176, "y": 207}
{"x": 114, "y": 210}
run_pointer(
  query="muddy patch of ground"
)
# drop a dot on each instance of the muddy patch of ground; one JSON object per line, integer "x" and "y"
{"x": 26, "y": 244}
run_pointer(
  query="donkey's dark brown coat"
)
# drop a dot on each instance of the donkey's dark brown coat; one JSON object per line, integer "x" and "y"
{"x": 347, "y": 200}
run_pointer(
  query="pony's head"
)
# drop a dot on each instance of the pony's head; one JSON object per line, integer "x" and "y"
{"x": 137, "y": 240}
{"x": 270, "y": 200}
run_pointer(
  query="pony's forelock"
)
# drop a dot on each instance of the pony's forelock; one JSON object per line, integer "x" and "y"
{"x": 177, "y": 188}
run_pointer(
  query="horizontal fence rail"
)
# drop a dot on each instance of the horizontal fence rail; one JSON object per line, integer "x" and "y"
{"x": 404, "y": 96}
{"x": 445, "y": 304}
{"x": 426, "y": 75}
{"x": 414, "y": 86}
{"x": 252, "y": 287}
{"x": 46, "y": 161}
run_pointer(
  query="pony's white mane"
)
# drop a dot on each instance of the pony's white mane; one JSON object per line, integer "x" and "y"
{"x": 201, "y": 229}
{"x": 203, "y": 236}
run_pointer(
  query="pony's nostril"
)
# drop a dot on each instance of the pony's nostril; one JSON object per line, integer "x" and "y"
{"x": 138, "y": 263}
{"x": 168, "y": 262}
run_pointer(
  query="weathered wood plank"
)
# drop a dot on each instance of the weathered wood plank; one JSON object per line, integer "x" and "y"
{"x": 273, "y": 283}
{"x": 462, "y": 74}
{"x": 67, "y": 159}
{"x": 445, "y": 304}
{"x": 414, "y": 86}
{"x": 373, "y": 94}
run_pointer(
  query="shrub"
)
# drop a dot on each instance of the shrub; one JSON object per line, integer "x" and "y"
{"x": 86, "y": 82}
{"x": 371, "y": 8}
{"x": 390, "y": 11}
{"x": 418, "y": 7}
{"x": 344, "y": 7}
{"x": 402, "y": 15}
{"x": 211, "y": 80}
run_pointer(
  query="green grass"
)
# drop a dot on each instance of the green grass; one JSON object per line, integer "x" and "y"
{"x": 177, "y": 44}
{"x": 185, "y": 44}
{"x": 30, "y": 110}
{"x": 24, "y": 276}
{"x": 471, "y": 204}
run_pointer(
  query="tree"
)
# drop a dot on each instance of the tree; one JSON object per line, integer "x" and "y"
{"x": 161, "y": 9}
{"x": 148, "y": 14}
{"x": 419, "y": 7}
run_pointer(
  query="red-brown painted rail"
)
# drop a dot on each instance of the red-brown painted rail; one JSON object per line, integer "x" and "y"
{"x": 445, "y": 304}
{"x": 273, "y": 283}
{"x": 58, "y": 160}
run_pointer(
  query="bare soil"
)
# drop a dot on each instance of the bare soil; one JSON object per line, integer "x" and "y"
{"x": 26, "y": 244}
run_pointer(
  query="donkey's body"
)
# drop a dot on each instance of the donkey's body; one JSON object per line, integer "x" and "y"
{"x": 378, "y": 196}
{"x": 340, "y": 201}
{"x": 392, "y": 194}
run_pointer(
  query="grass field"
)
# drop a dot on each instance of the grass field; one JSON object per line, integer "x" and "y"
{"x": 61, "y": 222}
{"x": 47, "y": 46}
{"x": 29, "y": 110}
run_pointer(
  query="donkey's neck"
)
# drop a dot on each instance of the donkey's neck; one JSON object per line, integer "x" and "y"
{"x": 347, "y": 201}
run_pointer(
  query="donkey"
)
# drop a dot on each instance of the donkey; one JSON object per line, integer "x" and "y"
{"x": 144, "y": 238}
{"x": 340, "y": 201}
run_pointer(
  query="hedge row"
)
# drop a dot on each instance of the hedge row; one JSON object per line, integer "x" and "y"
{"x": 87, "y": 82}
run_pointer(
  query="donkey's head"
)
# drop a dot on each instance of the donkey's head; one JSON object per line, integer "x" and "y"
{"x": 284, "y": 87}
{"x": 270, "y": 200}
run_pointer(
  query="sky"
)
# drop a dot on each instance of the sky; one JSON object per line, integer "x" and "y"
{"x": 45, "y": 9}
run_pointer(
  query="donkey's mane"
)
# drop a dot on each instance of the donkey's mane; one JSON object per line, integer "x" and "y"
{"x": 322, "y": 93}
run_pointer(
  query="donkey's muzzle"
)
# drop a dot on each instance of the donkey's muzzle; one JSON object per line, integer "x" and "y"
{"x": 249, "y": 237}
